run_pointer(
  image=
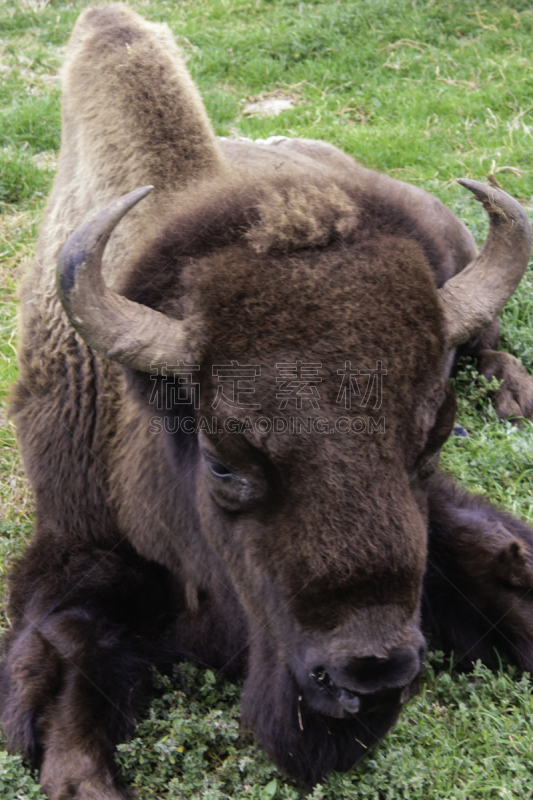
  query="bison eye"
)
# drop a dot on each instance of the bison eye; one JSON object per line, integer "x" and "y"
{"x": 230, "y": 489}
{"x": 219, "y": 470}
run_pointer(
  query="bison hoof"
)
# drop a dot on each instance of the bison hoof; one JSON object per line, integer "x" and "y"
{"x": 514, "y": 398}
{"x": 458, "y": 430}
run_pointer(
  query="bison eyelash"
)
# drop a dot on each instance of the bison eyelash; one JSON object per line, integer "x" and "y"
{"x": 219, "y": 470}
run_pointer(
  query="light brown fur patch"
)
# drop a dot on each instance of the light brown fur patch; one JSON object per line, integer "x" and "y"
{"x": 302, "y": 216}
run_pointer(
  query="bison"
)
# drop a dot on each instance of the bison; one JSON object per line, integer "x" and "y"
{"x": 230, "y": 408}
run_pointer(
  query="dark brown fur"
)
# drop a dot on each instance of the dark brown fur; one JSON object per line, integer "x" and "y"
{"x": 314, "y": 555}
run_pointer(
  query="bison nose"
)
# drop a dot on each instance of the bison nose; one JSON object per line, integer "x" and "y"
{"x": 372, "y": 674}
{"x": 364, "y": 684}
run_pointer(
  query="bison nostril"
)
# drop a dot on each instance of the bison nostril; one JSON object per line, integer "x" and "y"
{"x": 375, "y": 673}
{"x": 322, "y": 678}
{"x": 349, "y": 699}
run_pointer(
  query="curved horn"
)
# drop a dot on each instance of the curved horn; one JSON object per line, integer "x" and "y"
{"x": 115, "y": 327}
{"x": 473, "y": 298}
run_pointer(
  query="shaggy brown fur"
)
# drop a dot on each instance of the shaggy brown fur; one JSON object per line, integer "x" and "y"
{"x": 296, "y": 559}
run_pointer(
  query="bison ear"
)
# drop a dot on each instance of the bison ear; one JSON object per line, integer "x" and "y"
{"x": 512, "y": 566}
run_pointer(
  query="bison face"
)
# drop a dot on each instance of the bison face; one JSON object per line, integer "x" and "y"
{"x": 324, "y": 539}
{"x": 321, "y": 533}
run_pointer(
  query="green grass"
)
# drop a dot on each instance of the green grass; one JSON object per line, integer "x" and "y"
{"x": 463, "y": 736}
{"x": 426, "y": 91}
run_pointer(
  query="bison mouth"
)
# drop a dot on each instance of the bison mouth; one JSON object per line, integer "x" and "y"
{"x": 310, "y": 730}
{"x": 316, "y": 715}
{"x": 342, "y": 702}
{"x": 356, "y": 686}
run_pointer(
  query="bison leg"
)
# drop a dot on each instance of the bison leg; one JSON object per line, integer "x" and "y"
{"x": 514, "y": 398}
{"x": 86, "y": 629}
{"x": 478, "y": 587}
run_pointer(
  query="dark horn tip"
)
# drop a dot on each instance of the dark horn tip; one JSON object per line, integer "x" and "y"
{"x": 70, "y": 259}
{"x": 480, "y": 190}
{"x": 497, "y": 202}
{"x": 84, "y": 241}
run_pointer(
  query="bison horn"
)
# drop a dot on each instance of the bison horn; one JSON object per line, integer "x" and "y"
{"x": 115, "y": 327}
{"x": 473, "y": 298}
{"x": 140, "y": 337}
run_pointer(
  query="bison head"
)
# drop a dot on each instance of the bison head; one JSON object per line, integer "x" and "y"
{"x": 321, "y": 532}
